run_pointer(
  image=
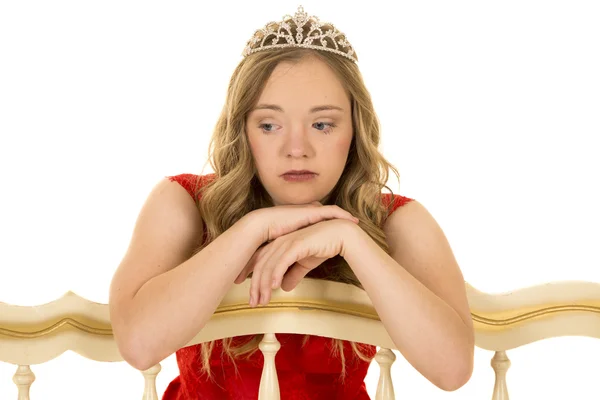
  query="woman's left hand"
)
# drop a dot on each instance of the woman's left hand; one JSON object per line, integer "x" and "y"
{"x": 286, "y": 260}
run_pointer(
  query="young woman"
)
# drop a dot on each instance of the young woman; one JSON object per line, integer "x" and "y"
{"x": 297, "y": 191}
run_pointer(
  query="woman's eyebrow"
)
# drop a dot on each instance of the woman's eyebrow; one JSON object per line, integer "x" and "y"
{"x": 275, "y": 107}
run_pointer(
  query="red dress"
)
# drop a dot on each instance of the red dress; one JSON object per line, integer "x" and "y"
{"x": 308, "y": 373}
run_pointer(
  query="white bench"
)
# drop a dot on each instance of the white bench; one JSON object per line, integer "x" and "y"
{"x": 35, "y": 335}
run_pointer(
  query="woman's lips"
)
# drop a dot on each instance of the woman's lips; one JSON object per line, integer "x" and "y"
{"x": 299, "y": 177}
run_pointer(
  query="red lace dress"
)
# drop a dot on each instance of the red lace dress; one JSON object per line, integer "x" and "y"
{"x": 308, "y": 373}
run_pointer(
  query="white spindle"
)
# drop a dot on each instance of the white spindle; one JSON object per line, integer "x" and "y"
{"x": 500, "y": 363}
{"x": 269, "y": 384}
{"x": 150, "y": 382}
{"x": 23, "y": 378}
{"x": 385, "y": 388}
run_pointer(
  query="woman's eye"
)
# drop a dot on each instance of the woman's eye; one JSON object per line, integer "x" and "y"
{"x": 328, "y": 130}
{"x": 262, "y": 126}
{"x": 324, "y": 127}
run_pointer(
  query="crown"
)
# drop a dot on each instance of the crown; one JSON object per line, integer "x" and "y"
{"x": 314, "y": 39}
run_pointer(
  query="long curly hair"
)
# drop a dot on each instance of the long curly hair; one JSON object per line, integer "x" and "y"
{"x": 358, "y": 190}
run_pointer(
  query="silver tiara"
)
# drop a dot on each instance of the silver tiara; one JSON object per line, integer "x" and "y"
{"x": 314, "y": 39}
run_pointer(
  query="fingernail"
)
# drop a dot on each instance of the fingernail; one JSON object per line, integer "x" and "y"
{"x": 252, "y": 300}
{"x": 274, "y": 283}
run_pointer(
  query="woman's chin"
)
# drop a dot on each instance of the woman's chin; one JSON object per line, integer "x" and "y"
{"x": 297, "y": 201}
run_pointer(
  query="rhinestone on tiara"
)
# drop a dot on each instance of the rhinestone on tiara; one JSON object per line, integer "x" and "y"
{"x": 314, "y": 39}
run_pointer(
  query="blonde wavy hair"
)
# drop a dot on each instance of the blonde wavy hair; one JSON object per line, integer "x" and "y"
{"x": 358, "y": 190}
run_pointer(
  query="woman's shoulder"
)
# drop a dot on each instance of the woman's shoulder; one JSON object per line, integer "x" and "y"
{"x": 192, "y": 182}
{"x": 395, "y": 201}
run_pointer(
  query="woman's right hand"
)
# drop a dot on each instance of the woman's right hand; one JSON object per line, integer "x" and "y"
{"x": 277, "y": 221}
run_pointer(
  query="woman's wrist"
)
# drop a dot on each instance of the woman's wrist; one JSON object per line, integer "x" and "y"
{"x": 252, "y": 228}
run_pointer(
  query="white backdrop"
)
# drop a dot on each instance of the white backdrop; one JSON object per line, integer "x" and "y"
{"x": 489, "y": 110}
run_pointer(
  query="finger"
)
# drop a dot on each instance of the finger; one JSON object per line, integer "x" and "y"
{"x": 272, "y": 268}
{"x": 254, "y": 282}
{"x": 279, "y": 274}
{"x": 308, "y": 264}
{"x": 293, "y": 276}
{"x": 286, "y": 258}
{"x": 243, "y": 275}
{"x": 312, "y": 262}
{"x": 286, "y": 254}
{"x": 262, "y": 259}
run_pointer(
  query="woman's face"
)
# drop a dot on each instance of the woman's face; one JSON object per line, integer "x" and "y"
{"x": 302, "y": 121}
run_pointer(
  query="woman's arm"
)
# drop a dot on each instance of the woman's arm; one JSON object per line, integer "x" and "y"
{"x": 419, "y": 293}
{"x": 159, "y": 297}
